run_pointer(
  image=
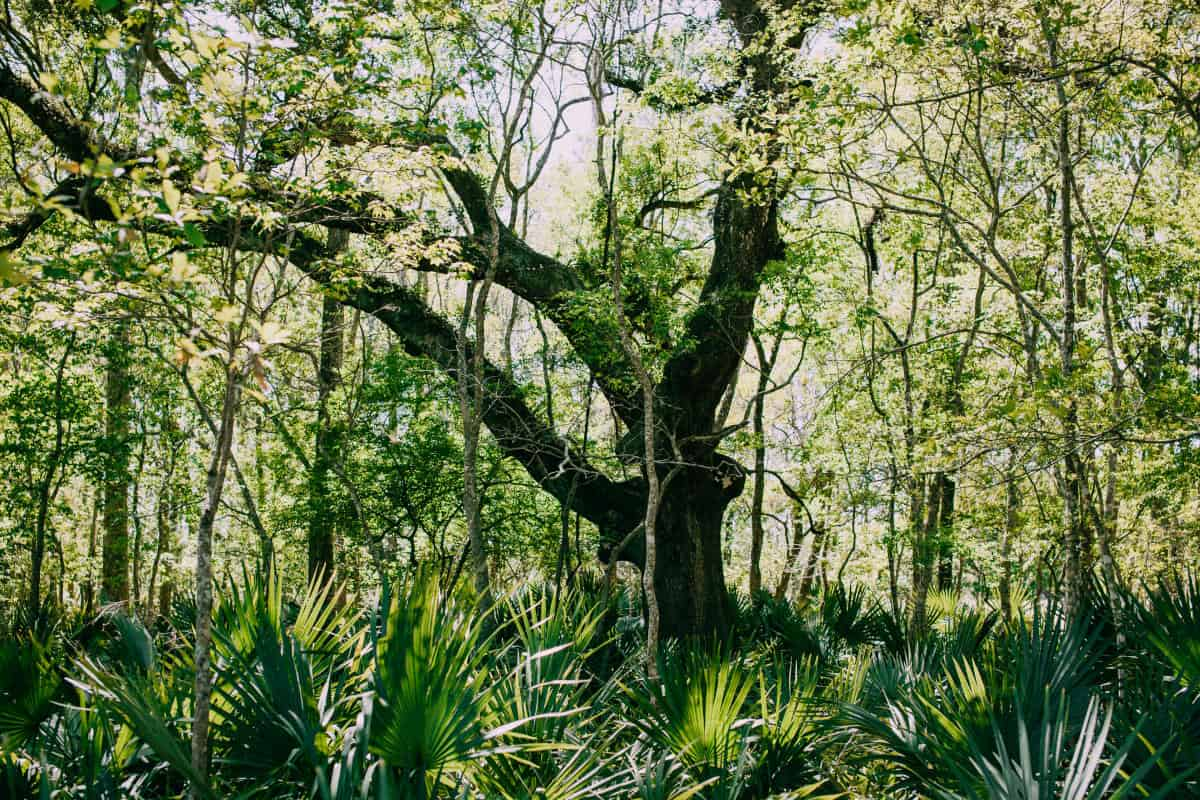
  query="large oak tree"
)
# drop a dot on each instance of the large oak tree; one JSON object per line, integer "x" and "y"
{"x": 305, "y": 225}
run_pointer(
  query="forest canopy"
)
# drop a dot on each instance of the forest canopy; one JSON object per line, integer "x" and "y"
{"x": 797, "y": 368}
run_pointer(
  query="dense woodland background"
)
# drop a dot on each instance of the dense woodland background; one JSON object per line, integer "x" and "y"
{"x": 731, "y": 399}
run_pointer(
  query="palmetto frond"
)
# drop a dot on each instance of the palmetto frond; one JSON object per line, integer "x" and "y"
{"x": 284, "y": 692}
{"x": 431, "y": 684}
{"x": 698, "y": 712}
{"x": 145, "y": 704}
{"x": 1170, "y": 621}
{"x": 1047, "y": 763}
{"x": 29, "y": 686}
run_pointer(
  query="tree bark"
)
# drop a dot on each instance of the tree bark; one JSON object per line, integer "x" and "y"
{"x": 814, "y": 554}
{"x": 1012, "y": 505}
{"x": 135, "y": 489}
{"x": 114, "y": 571}
{"x": 89, "y": 589}
{"x": 214, "y": 485}
{"x": 1071, "y": 479}
{"x": 321, "y": 534}
{"x": 893, "y": 556}
{"x": 162, "y": 520}
{"x": 689, "y": 576}
{"x": 760, "y": 467}
{"x": 471, "y": 399}
{"x": 793, "y": 558}
{"x": 49, "y": 486}
{"x": 925, "y": 547}
{"x": 945, "y": 532}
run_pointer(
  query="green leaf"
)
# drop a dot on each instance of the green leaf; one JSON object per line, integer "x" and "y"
{"x": 194, "y": 235}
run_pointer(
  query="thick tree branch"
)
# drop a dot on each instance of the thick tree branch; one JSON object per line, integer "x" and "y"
{"x": 556, "y": 466}
{"x": 663, "y": 203}
{"x": 638, "y": 87}
{"x": 694, "y": 379}
{"x": 746, "y": 238}
{"x": 557, "y": 289}
{"x": 542, "y": 281}
{"x": 75, "y": 139}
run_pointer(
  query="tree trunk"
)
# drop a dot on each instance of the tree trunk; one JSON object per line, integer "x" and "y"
{"x": 214, "y": 485}
{"x": 139, "y": 469}
{"x": 114, "y": 570}
{"x": 924, "y": 548}
{"x": 89, "y": 589}
{"x": 49, "y": 487}
{"x": 814, "y": 553}
{"x": 162, "y": 516}
{"x": 1072, "y": 481}
{"x": 689, "y": 573}
{"x": 794, "y": 552}
{"x": 1108, "y": 528}
{"x": 893, "y": 557}
{"x": 321, "y": 534}
{"x": 760, "y": 467}
{"x": 827, "y": 545}
{"x": 945, "y": 532}
{"x": 470, "y": 391}
{"x": 266, "y": 544}
{"x": 1011, "y": 520}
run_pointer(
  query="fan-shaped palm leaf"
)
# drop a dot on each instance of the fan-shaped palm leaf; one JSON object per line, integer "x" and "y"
{"x": 697, "y": 712}
{"x": 430, "y": 682}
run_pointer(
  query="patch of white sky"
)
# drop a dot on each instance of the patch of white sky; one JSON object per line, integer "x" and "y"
{"x": 666, "y": 30}
{"x": 572, "y": 161}
{"x": 569, "y": 174}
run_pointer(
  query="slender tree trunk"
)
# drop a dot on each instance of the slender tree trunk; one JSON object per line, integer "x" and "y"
{"x": 760, "y": 468}
{"x": 89, "y": 593}
{"x": 893, "y": 558}
{"x": 816, "y": 547}
{"x": 583, "y": 450}
{"x": 175, "y": 539}
{"x": 135, "y": 516}
{"x": 650, "y": 577}
{"x": 793, "y": 558}
{"x": 924, "y": 547}
{"x": 266, "y": 543}
{"x": 1072, "y": 482}
{"x": 1107, "y": 528}
{"x": 321, "y": 533}
{"x": 956, "y": 406}
{"x": 214, "y": 485}
{"x": 1090, "y": 515}
{"x": 564, "y": 511}
{"x": 249, "y": 504}
{"x": 471, "y": 376}
{"x": 945, "y": 531}
{"x": 689, "y": 548}
{"x": 48, "y": 488}
{"x": 827, "y": 545}
{"x": 470, "y": 391}
{"x": 1012, "y": 506}
{"x": 162, "y": 523}
{"x": 509, "y": 325}
{"x": 114, "y": 571}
